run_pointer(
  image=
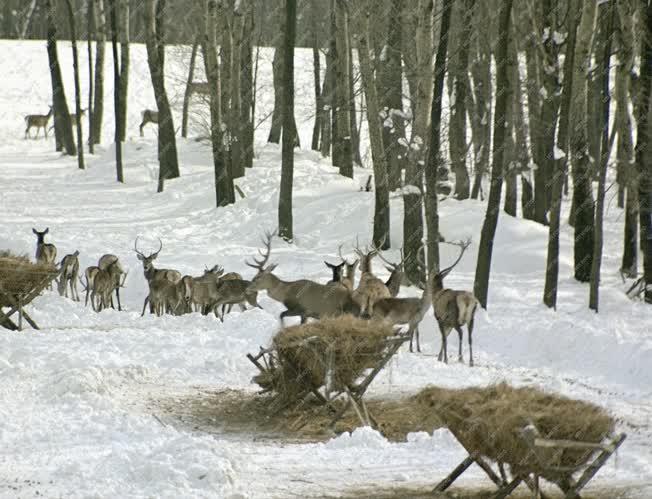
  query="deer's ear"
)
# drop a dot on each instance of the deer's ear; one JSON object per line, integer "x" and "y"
{"x": 271, "y": 267}
{"x": 34, "y": 230}
{"x": 47, "y": 229}
{"x": 140, "y": 257}
{"x": 330, "y": 266}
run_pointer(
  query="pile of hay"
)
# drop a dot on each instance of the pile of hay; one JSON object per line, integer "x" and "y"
{"x": 19, "y": 276}
{"x": 490, "y": 421}
{"x": 304, "y": 353}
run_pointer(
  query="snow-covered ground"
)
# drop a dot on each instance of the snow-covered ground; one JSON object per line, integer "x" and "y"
{"x": 75, "y": 417}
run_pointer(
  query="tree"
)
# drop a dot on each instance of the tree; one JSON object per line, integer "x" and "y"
{"x": 188, "y": 93}
{"x": 343, "y": 95}
{"x": 95, "y": 125}
{"x": 316, "y": 65}
{"x": 75, "y": 64}
{"x": 117, "y": 94}
{"x": 224, "y": 193}
{"x": 247, "y": 100}
{"x": 481, "y": 284}
{"x": 285, "y": 225}
{"x": 155, "y": 43}
{"x": 90, "y": 21}
{"x": 123, "y": 36}
{"x": 62, "y": 126}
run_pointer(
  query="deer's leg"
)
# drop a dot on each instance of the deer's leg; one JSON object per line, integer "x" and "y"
{"x": 141, "y": 128}
{"x": 411, "y": 333}
{"x": 460, "y": 335}
{"x": 470, "y": 329}
{"x": 443, "y": 352}
{"x": 416, "y": 331}
{"x": 144, "y": 305}
{"x": 117, "y": 294}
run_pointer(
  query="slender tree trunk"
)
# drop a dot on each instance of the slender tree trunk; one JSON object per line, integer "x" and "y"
{"x": 123, "y": 35}
{"x": 188, "y": 93}
{"x": 485, "y": 250}
{"x": 608, "y": 13}
{"x": 167, "y": 148}
{"x": 355, "y": 131}
{"x": 642, "y": 152}
{"x": 327, "y": 103}
{"x": 247, "y": 88}
{"x": 582, "y": 174}
{"x": 116, "y": 91}
{"x": 98, "y": 99}
{"x": 62, "y": 126}
{"x": 381, "y": 207}
{"x": 90, "y": 6}
{"x": 285, "y": 223}
{"x": 224, "y": 190}
{"x": 319, "y": 104}
{"x": 342, "y": 92}
{"x": 510, "y": 162}
{"x": 434, "y": 161}
{"x": 75, "y": 65}
{"x": 235, "y": 111}
{"x": 457, "y": 134}
{"x": 559, "y": 174}
{"x": 277, "y": 113}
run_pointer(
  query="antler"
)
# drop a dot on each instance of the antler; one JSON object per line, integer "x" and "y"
{"x": 463, "y": 245}
{"x": 160, "y": 247}
{"x": 136, "y": 247}
{"x": 260, "y": 264}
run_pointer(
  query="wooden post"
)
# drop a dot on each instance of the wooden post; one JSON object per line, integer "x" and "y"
{"x": 454, "y": 475}
{"x": 20, "y": 312}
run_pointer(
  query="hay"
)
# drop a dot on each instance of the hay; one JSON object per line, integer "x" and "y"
{"x": 489, "y": 421}
{"x": 19, "y": 276}
{"x": 347, "y": 344}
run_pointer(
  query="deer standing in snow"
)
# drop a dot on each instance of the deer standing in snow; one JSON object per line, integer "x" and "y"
{"x": 371, "y": 288}
{"x": 148, "y": 116}
{"x": 68, "y": 276}
{"x": 38, "y": 121}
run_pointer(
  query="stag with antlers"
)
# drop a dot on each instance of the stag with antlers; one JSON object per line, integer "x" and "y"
{"x": 153, "y": 274}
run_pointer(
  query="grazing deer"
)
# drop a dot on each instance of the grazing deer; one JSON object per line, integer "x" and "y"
{"x": 149, "y": 116}
{"x": 234, "y": 292}
{"x": 408, "y": 311}
{"x": 38, "y": 121}
{"x": 301, "y": 298}
{"x": 68, "y": 276}
{"x": 103, "y": 263}
{"x": 153, "y": 274}
{"x": 453, "y": 309}
{"x": 371, "y": 288}
{"x": 90, "y": 273}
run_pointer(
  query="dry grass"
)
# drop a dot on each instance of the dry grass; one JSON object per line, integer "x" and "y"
{"x": 490, "y": 421}
{"x": 19, "y": 276}
{"x": 343, "y": 345}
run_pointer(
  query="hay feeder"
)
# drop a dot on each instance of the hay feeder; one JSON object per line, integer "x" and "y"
{"x": 20, "y": 282}
{"x": 536, "y": 434}
{"x": 329, "y": 358}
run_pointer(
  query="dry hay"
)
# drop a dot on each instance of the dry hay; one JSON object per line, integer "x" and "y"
{"x": 343, "y": 345}
{"x": 489, "y": 421}
{"x": 19, "y": 276}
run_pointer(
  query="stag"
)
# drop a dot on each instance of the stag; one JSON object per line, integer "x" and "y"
{"x": 303, "y": 298}
{"x": 148, "y": 116}
{"x": 371, "y": 288}
{"x": 103, "y": 263}
{"x": 396, "y": 275}
{"x": 39, "y": 121}
{"x": 68, "y": 275}
{"x": 453, "y": 309}
{"x": 153, "y": 274}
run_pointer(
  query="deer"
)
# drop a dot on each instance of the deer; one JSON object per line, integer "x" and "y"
{"x": 371, "y": 288}
{"x": 101, "y": 290}
{"x": 68, "y": 274}
{"x": 408, "y": 311}
{"x": 204, "y": 290}
{"x": 152, "y": 273}
{"x": 303, "y": 298}
{"x": 234, "y": 292}
{"x": 341, "y": 276}
{"x": 396, "y": 275}
{"x": 338, "y": 273}
{"x": 103, "y": 263}
{"x": 38, "y": 121}
{"x": 90, "y": 273}
{"x": 453, "y": 309}
{"x": 46, "y": 253}
{"x": 166, "y": 296}
{"x": 148, "y": 116}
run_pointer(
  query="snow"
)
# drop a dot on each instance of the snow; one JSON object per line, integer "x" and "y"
{"x": 80, "y": 414}
{"x": 558, "y": 153}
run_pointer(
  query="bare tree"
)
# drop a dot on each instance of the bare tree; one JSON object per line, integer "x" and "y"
{"x": 117, "y": 95}
{"x": 188, "y": 92}
{"x": 95, "y": 126}
{"x": 75, "y": 64}
{"x": 343, "y": 96}
{"x": 123, "y": 36}
{"x": 90, "y": 22}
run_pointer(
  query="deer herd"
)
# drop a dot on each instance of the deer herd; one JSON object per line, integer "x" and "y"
{"x": 216, "y": 291}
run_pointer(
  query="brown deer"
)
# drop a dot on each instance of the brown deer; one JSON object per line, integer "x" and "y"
{"x": 234, "y": 292}
{"x": 46, "y": 253}
{"x": 90, "y": 273}
{"x": 453, "y": 309}
{"x": 38, "y": 121}
{"x": 166, "y": 296}
{"x": 371, "y": 288}
{"x": 103, "y": 263}
{"x": 152, "y": 273}
{"x": 148, "y": 116}
{"x": 348, "y": 275}
{"x": 204, "y": 289}
{"x": 102, "y": 290}
{"x": 69, "y": 272}
{"x": 301, "y": 298}
{"x": 396, "y": 275}
{"x": 408, "y": 311}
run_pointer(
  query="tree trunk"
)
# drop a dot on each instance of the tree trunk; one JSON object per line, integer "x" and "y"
{"x": 224, "y": 190}
{"x": 481, "y": 285}
{"x": 434, "y": 161}
{"x": 75, "y": 65}
{"x": 642, "y": 152}
{"x": 123, "y": 35}
{"x": 511, "y": 168}
{"x": 235, "y": 111}
{"x": 552, "y": 263}
{"x": 167, "y": 147}
{"x": 381, "y": 206}
{"x": 342, "y": 92}
{"x": 285, "y": 223}
{"x": 607, "y": 14}
{"x": 319, "y": 104}
{"x": 457, "y": 127}
{"x": 188, "y": 93}
{"x": 90, "y": 15}
{"x": 582, "y": 174}
{"x": 327, "y": 103}
{"x": 62, "y": 126}
{"x": 98, "y": 99}
{"x": 247, "y": 88}
{"x": 277, "y": 113}
{"x": 116, "y": 91}
{"x": 355, "y": 131}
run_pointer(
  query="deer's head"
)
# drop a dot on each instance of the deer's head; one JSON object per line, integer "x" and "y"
{"x": 264, "y": 278}
{"x": 40, "y": 235}
{"x": 148, "y": 260}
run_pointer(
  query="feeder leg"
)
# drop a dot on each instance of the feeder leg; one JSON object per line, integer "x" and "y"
{"x": 507, "y": 489}
{"x": 486, "y": 467}
{"x": 20, "y": 314}
{"x": 454, "y": 475}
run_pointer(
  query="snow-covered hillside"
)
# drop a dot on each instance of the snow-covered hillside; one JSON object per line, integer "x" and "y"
{"x": 75, "y": 397}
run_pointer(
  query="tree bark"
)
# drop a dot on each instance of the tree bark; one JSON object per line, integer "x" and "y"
{"x": 285, "y": 222}
{"x": 485, "y": 250}
{"x": 188, "y": 93}
{"x": 75, "y": 65}
{"x": 582, "y": 174}
{"x": 327, "y": 102}
{"x": 98, "y": 98}
{"x": 235, "y": 110}
{"x": 167, "y": 147}
{"x": 316, "y": 65}
{"x": 90, "y": 21}
{"x": 247, "y": 87}
{"x": 123, "y": 36}
{"x": 343, "y": 90}
{"x": 116, "y": 91}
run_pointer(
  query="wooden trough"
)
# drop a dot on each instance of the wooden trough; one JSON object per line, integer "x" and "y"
{"x": 333, "y": 357}
{"x": 20, "y": 282}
